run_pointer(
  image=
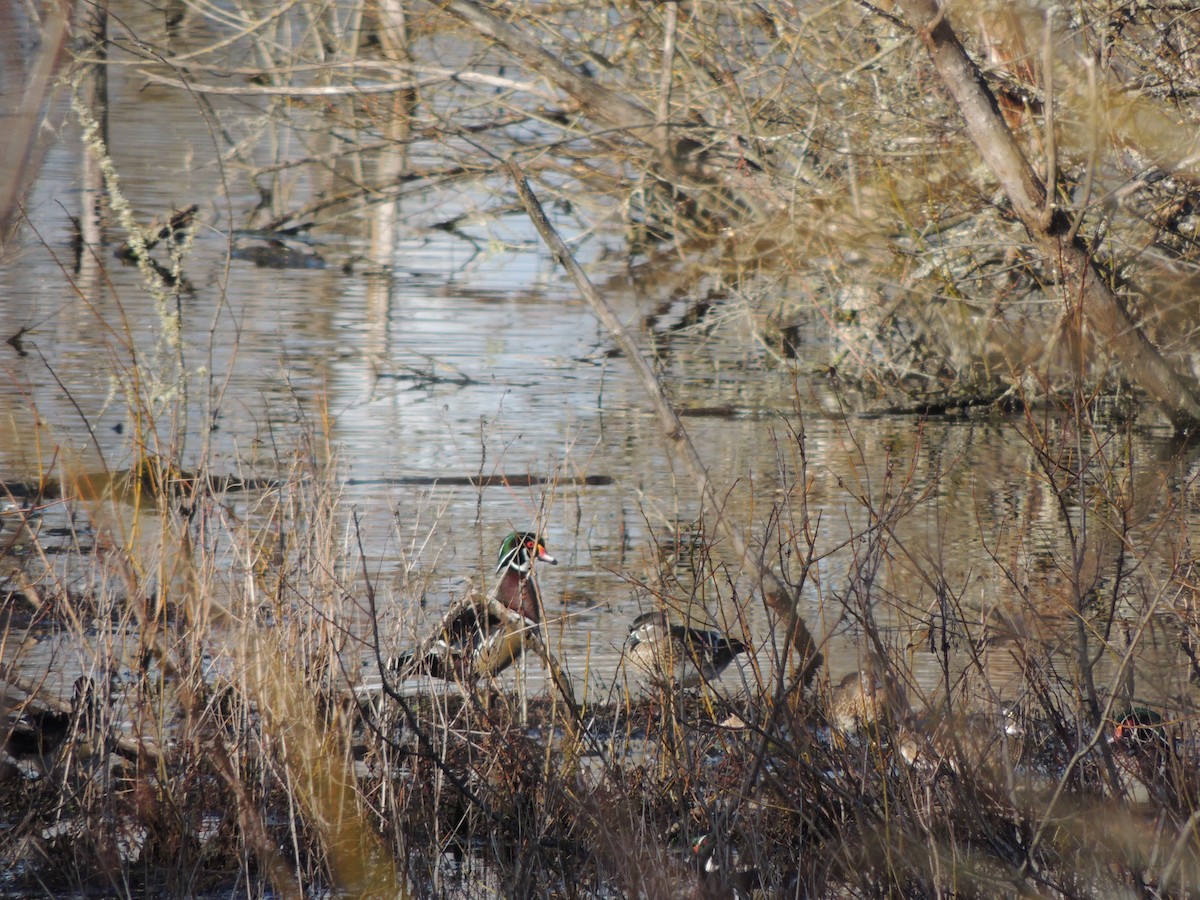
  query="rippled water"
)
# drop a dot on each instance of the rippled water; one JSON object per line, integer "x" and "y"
{"x": 476, "y": 357}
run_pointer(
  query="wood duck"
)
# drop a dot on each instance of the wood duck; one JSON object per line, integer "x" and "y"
{"x": 1144, "y": 755}
{"x": 721, "y": 870}
{"x": 482, "y": 636}
{"x": 1140, "y": 733}
{"x": 677, "y": 654}
{"x": 979, "y": 743}
{"x": 856, "y": 704}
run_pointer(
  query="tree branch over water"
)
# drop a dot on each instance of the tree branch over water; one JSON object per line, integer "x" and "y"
{"x": 1084, "y": 280}
{"x": 678, "y": 159}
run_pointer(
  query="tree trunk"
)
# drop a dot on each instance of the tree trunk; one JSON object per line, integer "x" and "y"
{"x": 1082, "y": 278}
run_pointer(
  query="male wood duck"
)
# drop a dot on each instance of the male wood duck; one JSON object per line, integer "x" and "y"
{"x": 1140, "y": 732}
{"x": 677, "y": 654}
{"x": 1145, "y": 756}
{"x": 482, "y": 636}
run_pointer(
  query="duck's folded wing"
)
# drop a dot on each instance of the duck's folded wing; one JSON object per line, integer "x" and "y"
{"x": 441, "y": 652}
{"x": 467, "y": 626}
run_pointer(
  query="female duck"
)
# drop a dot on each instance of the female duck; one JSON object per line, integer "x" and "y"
{"x": 677, "y": 654}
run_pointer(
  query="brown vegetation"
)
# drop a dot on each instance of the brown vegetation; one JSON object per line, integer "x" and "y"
{"x": 825, "y": 159}
{"x": 814, "y": 160}
{"x": 233, "y": 753}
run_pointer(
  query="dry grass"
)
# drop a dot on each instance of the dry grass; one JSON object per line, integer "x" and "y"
{"x": 214, "y": 630}
{"x": 219, "y": 754}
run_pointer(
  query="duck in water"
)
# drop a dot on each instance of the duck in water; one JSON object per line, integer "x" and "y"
{"x": 677, "y": 654}
{"x": 480, "y": 636}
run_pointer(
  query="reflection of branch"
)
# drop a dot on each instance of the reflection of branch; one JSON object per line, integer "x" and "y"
{"x": 677, "y": 439}
{"x": 425, "y": 377}
{"x": 21, "y": 146}
{"x": 1084, "y": 282}
{"x": 435, "y": 75}
{"x": 264, "y": 90}
{"x": 500, "y": 479}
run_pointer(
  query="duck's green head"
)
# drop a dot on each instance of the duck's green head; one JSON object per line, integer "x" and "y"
{"x": 520, "y": 549}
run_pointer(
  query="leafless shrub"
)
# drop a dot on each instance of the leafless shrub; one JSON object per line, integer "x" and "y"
{"x": 803, "y": 160}
{"x": 217, "y": 737}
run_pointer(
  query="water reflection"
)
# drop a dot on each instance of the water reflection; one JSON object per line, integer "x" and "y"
{"x": 469, "y": 392}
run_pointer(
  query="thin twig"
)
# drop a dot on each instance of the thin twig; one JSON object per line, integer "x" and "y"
{"x": 668, "y": 62}
{"x": 1048, "y": 110}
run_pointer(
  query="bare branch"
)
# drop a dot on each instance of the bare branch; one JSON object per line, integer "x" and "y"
{"x": 1082, "y": 277}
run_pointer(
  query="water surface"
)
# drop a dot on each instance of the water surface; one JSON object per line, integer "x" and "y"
{"x": 473, "y": 356}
